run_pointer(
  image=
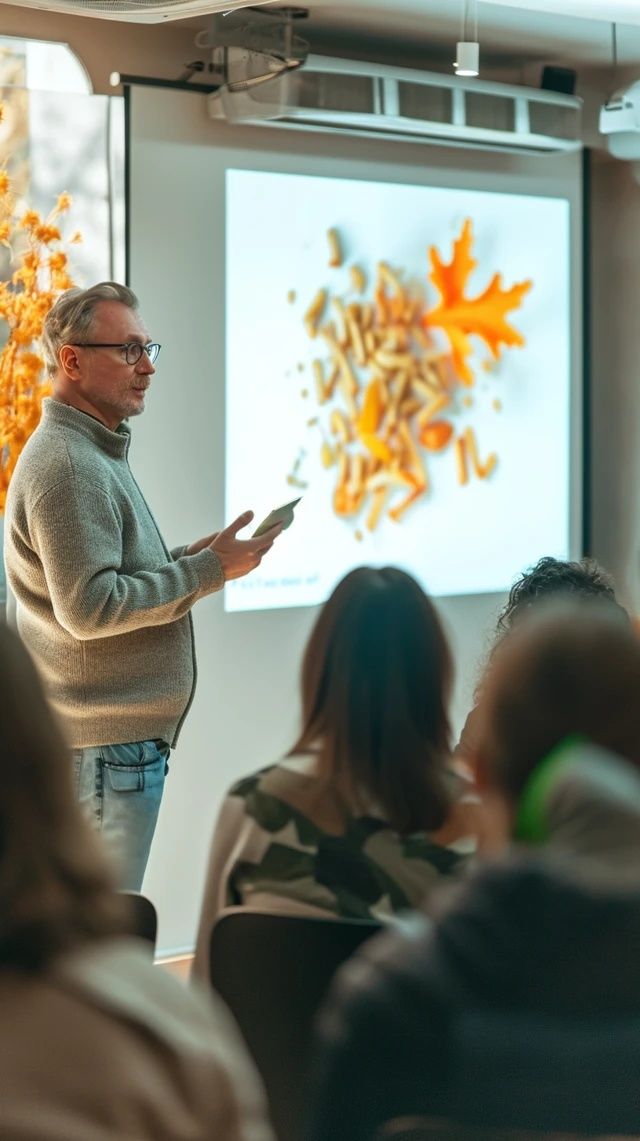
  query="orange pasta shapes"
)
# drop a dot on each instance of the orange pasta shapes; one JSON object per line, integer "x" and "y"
{"x": 395, "y": 378}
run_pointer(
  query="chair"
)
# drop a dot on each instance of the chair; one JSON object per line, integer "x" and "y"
{"x": 523, "y": 1077}
{"x": 273, "y": 972}
{"x": 143, "y": 918}
{"x": 434, "y": 1129}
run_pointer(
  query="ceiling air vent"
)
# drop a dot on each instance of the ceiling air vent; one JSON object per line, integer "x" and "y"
{"x": 355, "y": 98}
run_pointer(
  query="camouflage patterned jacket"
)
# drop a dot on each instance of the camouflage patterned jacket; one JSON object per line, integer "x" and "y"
{"x": 282, "y": 843}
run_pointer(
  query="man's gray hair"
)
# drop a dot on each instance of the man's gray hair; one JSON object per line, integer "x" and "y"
{"x": 70, "y": 320}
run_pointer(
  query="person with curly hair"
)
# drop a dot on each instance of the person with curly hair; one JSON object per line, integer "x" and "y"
{"x": 552, "y": 578}
{"x": 549, "y": 579}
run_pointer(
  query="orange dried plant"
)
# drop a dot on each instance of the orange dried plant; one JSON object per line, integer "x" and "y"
{"x": 41, "y": 273}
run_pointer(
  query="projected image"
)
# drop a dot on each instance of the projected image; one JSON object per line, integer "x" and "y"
{"x": 398, "y": 356}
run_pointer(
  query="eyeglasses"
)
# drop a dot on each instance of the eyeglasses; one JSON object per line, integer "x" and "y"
{"x": 132, "y": 350}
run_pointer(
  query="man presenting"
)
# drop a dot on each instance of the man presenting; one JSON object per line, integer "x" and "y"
{"x": 102, "y": 604}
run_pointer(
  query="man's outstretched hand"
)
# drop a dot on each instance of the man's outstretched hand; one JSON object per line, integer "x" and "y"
{"x": 239, "y": 556}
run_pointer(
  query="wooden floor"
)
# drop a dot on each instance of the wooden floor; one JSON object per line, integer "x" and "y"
{"x": 179, "y": 966}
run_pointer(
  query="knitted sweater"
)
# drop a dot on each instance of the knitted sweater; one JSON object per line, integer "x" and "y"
{"x": 102, "y": 605}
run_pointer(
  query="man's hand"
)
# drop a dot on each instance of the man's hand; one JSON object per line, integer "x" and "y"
{"x": 195, "y": 548}
{"x": 239, "y": 556}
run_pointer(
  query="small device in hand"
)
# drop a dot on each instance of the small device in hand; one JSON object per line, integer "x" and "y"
{"x": 282, "y": 515}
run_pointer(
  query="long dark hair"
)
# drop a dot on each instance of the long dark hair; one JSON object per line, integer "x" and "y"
{"x": 376, "y": 679}
{"x": 55, "y": 890}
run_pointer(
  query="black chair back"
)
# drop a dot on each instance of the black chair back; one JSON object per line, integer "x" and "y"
{"x": 273, "y": 972}
{"x": 143, "y": 917}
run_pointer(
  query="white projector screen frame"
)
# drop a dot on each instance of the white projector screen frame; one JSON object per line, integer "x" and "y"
{"x": 245, "y": 710}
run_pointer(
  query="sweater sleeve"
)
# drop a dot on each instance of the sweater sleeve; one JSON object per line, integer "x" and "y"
{"x": 81, "y": 554}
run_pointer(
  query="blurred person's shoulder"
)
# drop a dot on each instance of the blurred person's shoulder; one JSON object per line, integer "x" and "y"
{"x": 119, "y": 976}
{"x": 149, "y": 1046}
{"x": 191, "y": 1025}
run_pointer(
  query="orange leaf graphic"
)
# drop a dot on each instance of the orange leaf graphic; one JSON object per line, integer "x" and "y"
{"x": 483, "y": 316}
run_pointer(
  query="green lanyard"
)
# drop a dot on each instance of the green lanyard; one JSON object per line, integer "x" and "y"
{"x": 531, "y": 823}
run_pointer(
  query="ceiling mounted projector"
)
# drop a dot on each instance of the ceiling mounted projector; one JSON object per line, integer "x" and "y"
{"x": 255, "y": 46}
{"x": 136, "y": 11}
{"x": 620, "y": 122}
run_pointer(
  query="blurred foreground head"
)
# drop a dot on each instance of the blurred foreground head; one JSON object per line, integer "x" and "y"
{"x": 376, "y": 680}
{"x": 570, "y": 668}
{"x": 55, "y": 890}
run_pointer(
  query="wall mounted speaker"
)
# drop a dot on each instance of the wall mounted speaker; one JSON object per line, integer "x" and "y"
{"x": 560, "y": 79}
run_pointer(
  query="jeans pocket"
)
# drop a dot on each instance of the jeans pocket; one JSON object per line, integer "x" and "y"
{"x": 77, "y": 757}
{"x": 135, "y": 767}
{"x": 84, "y": 763}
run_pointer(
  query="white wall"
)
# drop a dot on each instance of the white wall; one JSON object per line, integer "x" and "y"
{"x": 245, "y": 709}
{"x": 104, "y": 46}
{"x": 615, "y": 399}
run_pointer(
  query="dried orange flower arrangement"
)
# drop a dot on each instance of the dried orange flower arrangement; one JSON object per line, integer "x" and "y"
{"x": 40, "y": 275}
{"x": 389, "y": 388}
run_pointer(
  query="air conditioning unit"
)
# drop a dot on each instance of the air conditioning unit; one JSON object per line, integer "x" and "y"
{"x": 367, "y": 99}
{"x": 137, "y": 11}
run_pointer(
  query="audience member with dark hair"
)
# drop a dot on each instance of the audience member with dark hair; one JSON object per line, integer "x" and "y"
{"x": 363, "y": 816}
{"x": 95, "y": 1040}
{"x": 552, "y": 927}
{"x": 552, "y": 578}
{"x": 549, "y": 578}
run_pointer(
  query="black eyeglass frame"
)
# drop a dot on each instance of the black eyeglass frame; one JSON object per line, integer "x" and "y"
{"x": 152, "y": 349}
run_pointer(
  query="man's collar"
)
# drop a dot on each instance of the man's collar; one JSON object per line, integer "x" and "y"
{"x": 114, "y": 443}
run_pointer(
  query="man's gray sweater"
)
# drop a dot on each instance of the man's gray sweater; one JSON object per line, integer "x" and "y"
{"x": 102, "y": 605}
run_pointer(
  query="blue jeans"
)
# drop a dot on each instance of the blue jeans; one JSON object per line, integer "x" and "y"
{"x": 120, "y": 788}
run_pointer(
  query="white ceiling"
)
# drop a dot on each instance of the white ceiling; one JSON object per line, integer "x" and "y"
{"x": 620, "y": 11}
{"x": 577, "y": 32}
